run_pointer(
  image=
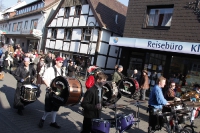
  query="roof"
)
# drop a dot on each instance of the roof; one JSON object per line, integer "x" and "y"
{"x": 106, "y": 11}
{"x": 32, "y": 12}
{"x": 12, "y": 9}
{"x": 35, "y": 1}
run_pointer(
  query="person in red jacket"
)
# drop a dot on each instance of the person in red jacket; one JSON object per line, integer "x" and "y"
{"x": 91, "y": 78}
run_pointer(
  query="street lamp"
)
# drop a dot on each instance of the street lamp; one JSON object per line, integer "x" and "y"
{"x": 87, "y": 33}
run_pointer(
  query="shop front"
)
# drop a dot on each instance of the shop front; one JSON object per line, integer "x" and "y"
{"x": 174, "y": 60}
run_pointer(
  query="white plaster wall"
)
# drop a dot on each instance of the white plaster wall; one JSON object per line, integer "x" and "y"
{"x": 85, "y": 9}
{"x": 61, "y": 12}
{"x": 83, "y": 19}
{"x": 59, "y": 44}
{"x": 72, "y": 10}
{"x": 49, "y": 33}
{"x": 113, "y": 51}
{"x": 74, "y": 46}
{"x": 103, "y": 48}
{"x": 65, "y": 22}
{"x": 101, "y": 60}
{"x": 111, "y": 62}
{"x": 105, "y": 36}
{"x": 60, "y": 22}
{"x": 76, "y": 34}
{"x": 53, "y": 23}
{"x": 91, "y": 19}
{"x": 83, "y": 48}
{"x": 47, "y": 43}
{"x": 95, "y": 35}
{"x": 66, "y": 46}
{"x": 52, "y": 44}
{"x": 60, "y": 34}
{"x": 76, "y": 20}
{"x": 70, "y": 21}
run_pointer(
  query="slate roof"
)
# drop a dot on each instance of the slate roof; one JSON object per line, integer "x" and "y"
{"x": 106, "y": 11}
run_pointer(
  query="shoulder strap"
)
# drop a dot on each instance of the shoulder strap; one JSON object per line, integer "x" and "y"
{"x": 55, "y": 70}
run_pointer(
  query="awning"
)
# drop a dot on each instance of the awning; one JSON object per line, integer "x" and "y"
{"x": 27, "y": 36}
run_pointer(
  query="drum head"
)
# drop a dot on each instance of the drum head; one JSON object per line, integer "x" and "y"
{"x": 60, "y": 88}
{"x": 128, "y": 86}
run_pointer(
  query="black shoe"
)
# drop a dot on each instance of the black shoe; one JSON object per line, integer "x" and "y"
{"x": 19, "y": 112}
{"x": 54, "y": 125}
{"x": 41, "y": 123}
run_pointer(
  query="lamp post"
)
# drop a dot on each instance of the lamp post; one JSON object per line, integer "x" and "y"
{"x": 90, "y": 44}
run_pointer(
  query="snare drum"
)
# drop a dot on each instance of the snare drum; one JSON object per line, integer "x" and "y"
{"x": 100, "y": 126}
{"x": 125, "y": 122}
{"x": 28, "y": 92}
{"x": 66, "y": 91}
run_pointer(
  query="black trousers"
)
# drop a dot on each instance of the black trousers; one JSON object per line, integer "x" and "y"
{"x": 87, "y": 125}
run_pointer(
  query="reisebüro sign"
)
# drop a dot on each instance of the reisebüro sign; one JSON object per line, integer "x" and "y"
{"x": 161, "y": 45}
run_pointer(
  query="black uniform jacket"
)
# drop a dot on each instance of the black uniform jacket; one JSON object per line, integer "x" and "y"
{"x": 89, "y": 102}
{"x": 22, "y": 73}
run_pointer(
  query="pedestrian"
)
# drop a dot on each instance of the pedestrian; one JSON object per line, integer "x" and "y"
{"x": 48, "y": 59}
{"x": 24, "y": 74}
{"x": 117, "y": 76}
{"x": 71, "y": 69}
{"x": 144, "y": 84}
{"x": 51, "y": 108}
{"x": 92, "y": 103}
{"x": 135, "y": 75}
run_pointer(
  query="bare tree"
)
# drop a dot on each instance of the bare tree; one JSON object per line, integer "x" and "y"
{"x": 2, "y": 7}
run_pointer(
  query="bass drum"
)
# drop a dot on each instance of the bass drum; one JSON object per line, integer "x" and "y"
{"x": 66, "y": 91}
{"x": 110, "y": 93}
{"x": 129, "y": 87}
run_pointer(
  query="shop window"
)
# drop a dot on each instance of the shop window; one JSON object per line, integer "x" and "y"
{"x": 53, "y": 34}
{"x": 14, "y": 27}
{"x": 86, "y": 35}
{"x": 19, "y": 26}
{"x": 67, "y": 11}
{"x": 159, "y": 17}
{"x": 34, "y": 24}
{"x": 9, "y": 27}
{"x": 26, "y": 25}
{"x": 77, "y": 11}
{"x": 68, "y": 34}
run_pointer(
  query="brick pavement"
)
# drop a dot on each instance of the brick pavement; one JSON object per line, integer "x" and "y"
{"x": 70, "y": 118}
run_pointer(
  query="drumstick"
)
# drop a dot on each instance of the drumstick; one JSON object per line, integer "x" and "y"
{"x": 27, "y": 77}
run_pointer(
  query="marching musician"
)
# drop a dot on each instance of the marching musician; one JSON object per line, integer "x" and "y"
{"x": 49, "y": 74}
{"x": 117, "y": 76}
{"x": 156, "y": 102}
{"x": 91, "y": 78}
{"x": 24, "y": 74}
{"x": 92, "y": 103}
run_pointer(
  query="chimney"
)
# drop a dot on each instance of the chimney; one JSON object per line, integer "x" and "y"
{"x": 18, "y": 1}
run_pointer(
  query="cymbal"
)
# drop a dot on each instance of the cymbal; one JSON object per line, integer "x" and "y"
{"x": 116, "y": 106}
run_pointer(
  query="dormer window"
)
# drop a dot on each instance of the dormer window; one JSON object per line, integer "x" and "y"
{"x": 77, "y": 12}
{"x": 53, "y": 34}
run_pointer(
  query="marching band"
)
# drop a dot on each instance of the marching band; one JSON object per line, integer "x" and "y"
{"x": 62, "y": 90}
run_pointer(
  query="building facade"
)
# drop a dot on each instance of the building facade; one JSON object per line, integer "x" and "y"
{"x": 81, "y": 31}
{"x": 164, "y": 38}
{"x": 26, "y": 27}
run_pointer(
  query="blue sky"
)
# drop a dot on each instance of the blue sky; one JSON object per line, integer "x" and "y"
{"x": 9, "y": 3}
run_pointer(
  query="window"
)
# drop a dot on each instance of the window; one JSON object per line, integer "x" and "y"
{"x": 77, "y": 11}
{"x": 68, "y": 34}
{"x": 19, "y": 26}
{"x": 26, "y": 25}
{"x": 53, "y": 33}
{"x": 86, "y": 35}
{"x": 9, "y": 27}
{"x": 67, "y": 11}
{"x": 34, "y": 24}
{"x": 159, "y": 17}
{"x": 14, "y": 27}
